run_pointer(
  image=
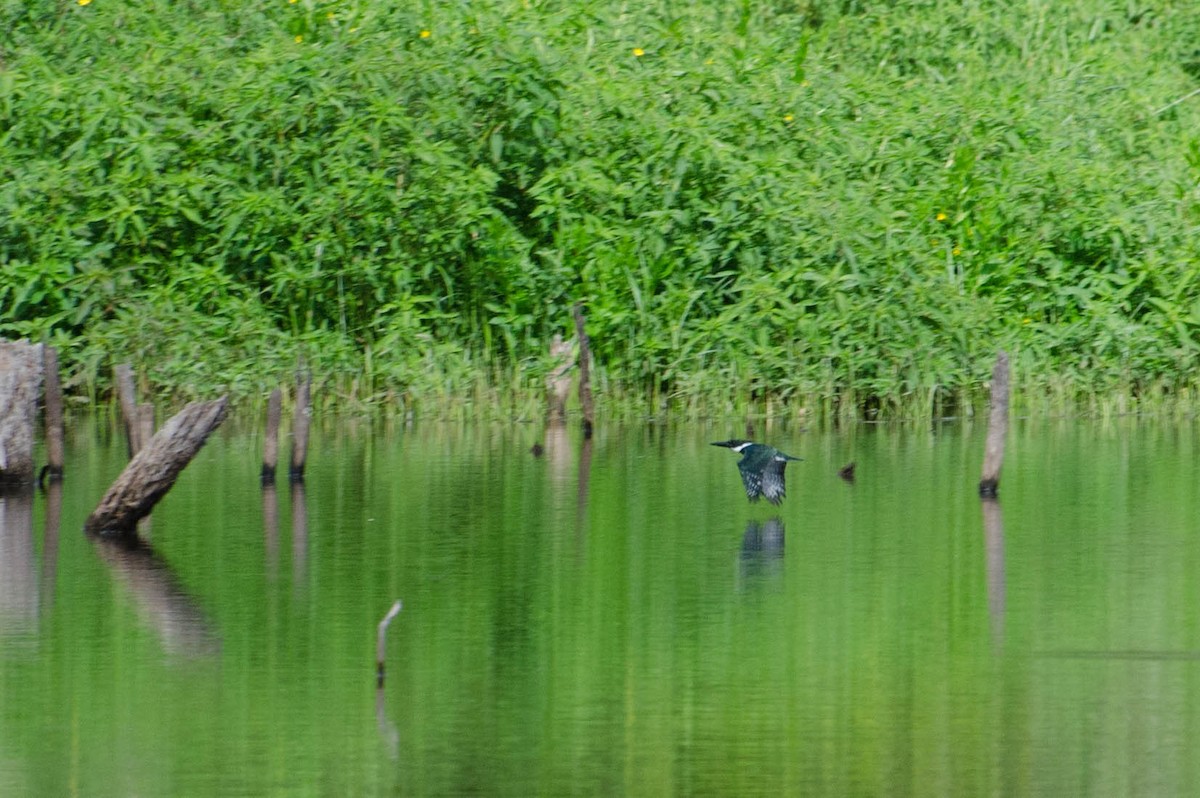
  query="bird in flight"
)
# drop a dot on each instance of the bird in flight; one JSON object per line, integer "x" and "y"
{"x": 762, "y": 468}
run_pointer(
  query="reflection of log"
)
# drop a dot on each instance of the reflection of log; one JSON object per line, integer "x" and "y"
{"x": 54, "y": 495}
{"x": 993, "y": 457}
{"x": 55, "y": 451}
{"x": 18, "y": 562}
{"x": 558, "y": 381}
{"x": 152, "y": 472}
{"x": 585, "y": 354}
{"x": 300, "y": 424}
{"x": 299, "y": 534}
{"x": 161, "y": 602}
{"x": 20, "y": 387}
{"x": 271, "y": 440}
{"x": 993, "y": 539}
{"x": 127, "y": 395}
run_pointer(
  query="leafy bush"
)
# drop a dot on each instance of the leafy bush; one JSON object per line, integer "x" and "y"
{"x": 805, "y": 202}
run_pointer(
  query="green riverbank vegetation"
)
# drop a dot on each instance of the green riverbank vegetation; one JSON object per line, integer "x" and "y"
{"x": 839, "y": 207}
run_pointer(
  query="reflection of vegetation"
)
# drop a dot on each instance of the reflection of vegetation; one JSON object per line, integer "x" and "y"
{"x": 809, "y": 199}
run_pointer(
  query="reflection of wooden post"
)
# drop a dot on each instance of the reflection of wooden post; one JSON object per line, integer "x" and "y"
{"x": 993, "y": 541}
{"x": 993, "y": 456}
{"x": 558, "y": 381}
{"x": 271, "y": 441}
{"x": 20, "y": 387}
{"x": 55, "y": 451}
{"x": 127, "y": 396}
{"x": 152, "y": 472}
{"x": 381, "y": 642}
{"x": 300, "y": 424}
{"x": 585, "y": 354}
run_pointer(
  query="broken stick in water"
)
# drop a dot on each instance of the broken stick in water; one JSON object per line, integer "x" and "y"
{"x": 381, "y": 642}
{"x": 993, "y": 456}
{"x": 153, "y": 470}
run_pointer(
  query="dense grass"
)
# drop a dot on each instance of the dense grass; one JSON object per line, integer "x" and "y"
{"x": 840, "y": 206}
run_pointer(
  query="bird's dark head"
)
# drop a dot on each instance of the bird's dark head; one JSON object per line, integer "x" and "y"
{"x": 732, "y": 443}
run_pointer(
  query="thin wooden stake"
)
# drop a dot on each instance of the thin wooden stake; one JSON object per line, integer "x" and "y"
{"x": 127, "y": 395}
{"x": 585, "y": 356}
{"x": 271, "y": 441}
{"x": 381, "y": 642}
{"x": 55, "y": 450}
{"x": 993, "y": 457}
{"x": 300, "y": 424}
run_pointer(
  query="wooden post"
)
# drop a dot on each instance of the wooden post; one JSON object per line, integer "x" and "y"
{"x": 271, "y": 440}
{"x": 381, "y": 642}
{"x": 585, "y": 355}
{"x": 127, "y": 395}
{"x": 993, "y": 457}
{"x": 558, "y": 381}
{"x": 55, "y": 450}
{"x": 20, "y": 387}
{"x": 152, "y": 472}
{"x": 300, "y": 424}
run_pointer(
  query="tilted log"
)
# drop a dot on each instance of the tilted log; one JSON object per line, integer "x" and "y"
{"x": 153, "y": 470}
{"x": 20, "y": 387}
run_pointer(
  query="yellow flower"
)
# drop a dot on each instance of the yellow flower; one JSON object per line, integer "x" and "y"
{"x": 638, "y": 52}
{"x": 788, "y": 118}
{"x": 299, "y": 38}
{"x": 956, "y": 251}
{"x": 329, "y": 16}
{"x": 425, "y": 34}
{"x": 941, "y": 217}
{"x": 83, "y": 2}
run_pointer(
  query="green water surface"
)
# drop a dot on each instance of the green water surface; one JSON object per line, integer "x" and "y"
{"x": 614, "y": 618}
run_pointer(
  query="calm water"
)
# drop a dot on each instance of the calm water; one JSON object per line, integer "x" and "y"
{"x": 615, "y": 620}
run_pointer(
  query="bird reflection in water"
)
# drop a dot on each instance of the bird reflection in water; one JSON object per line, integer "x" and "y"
{"x": 762, "y": 549}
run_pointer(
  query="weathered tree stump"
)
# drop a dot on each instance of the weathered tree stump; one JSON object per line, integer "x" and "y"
{"x": 55, "y": 450}
{"x": 585, "y": 356}
{"x": 993, "y": 457}
{"x": 127, "y": 396}
{"x": 300, "y": 423}
{"x": 153, "y": 470}
{"x": 558, "y": 381}
{"x": 271, "y": 440}
{"x": 20, "y": 387}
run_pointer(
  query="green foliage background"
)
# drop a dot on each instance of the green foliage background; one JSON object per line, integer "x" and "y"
{"x": 846, "y": 206}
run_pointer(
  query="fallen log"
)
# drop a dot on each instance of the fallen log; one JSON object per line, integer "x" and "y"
{"x": 153, "y": 470}
{"x": 20, "y": 387}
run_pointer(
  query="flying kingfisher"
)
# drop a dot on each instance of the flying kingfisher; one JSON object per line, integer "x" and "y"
{"x": 762, "y": 468}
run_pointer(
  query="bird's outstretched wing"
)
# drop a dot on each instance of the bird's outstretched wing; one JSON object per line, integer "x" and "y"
{"x": 772, "y": 479}
{"x": 753, "y": 482}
